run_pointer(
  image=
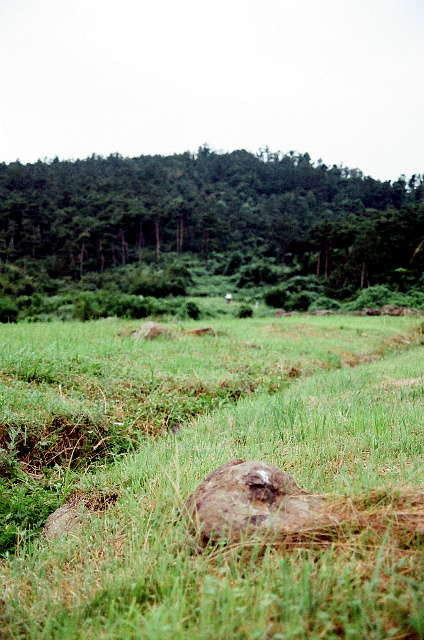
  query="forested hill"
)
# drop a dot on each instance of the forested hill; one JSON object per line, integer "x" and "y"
{"x": 67, "y": 218}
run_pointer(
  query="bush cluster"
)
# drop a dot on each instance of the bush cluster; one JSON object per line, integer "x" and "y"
{"x": 257, "y": 274}
{"x": 91, "y": 305}
{"x": 295, "y": 294}
{"x": 380, "y": 295}
{"x": 311, "y": 298}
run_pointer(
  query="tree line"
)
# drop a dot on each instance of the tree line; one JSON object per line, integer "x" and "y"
{"x": 70, "y": 218}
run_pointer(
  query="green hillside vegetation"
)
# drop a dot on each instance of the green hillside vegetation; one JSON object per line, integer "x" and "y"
{"x": 86, "y": 409}
{"x": 205, "y": 223}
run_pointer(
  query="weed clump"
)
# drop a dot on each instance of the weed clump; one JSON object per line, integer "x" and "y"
{"x": 245, "y": 311}
{"x": 192, "y": 310}
{"x": 24, "y": 508}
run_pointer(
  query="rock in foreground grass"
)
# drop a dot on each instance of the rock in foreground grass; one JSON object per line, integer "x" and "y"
{"x": 240, "y": 499}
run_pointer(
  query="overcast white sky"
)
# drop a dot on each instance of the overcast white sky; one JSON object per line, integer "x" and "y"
{"x": 340, "y": 79}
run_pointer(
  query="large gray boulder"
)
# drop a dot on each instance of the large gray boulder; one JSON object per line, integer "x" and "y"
{"x": 240, "y": 499}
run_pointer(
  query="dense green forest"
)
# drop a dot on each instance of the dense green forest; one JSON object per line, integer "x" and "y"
{"x": 262, "y": 218}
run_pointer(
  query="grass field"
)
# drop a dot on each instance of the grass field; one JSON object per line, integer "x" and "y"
{"x": 335, "y": 401}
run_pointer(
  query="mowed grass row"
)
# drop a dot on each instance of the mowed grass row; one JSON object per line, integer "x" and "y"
{"x": 354, "y": 434}
{"x": 78, "y": 389}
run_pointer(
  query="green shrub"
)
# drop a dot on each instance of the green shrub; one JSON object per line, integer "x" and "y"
{"x": 310, "y": 283}
{"x": 296, "y": 293}
{"x": 7, "y": 287}
{"x": 322, "y": 302}
{"x": 374, "y": 297}
{"x": 179, "y": 271}
{"x": 276, "y": 297}
{"x": 245, "y": 311}
{"x": 23, "y": 512}
{"x": 233, "y": 264}
{"x": 300, "y": 301}
{"x": 192, "y": 310}
{"x": 23, "y": 302}
{"x": 415, "y": 298}
{"x": 380, "y": 294}
{"x": 169, "y": 282}
{"x": 400, "y": 279}
{"x": 257, "y": 274}
{"x": 128, "y": 306}
{"x": 8, "y": 310}
{"x": 135, "y": 307}
{"x": 86, "y": 307}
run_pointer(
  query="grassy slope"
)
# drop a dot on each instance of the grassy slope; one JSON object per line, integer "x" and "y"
{"x": 134, "y": 573}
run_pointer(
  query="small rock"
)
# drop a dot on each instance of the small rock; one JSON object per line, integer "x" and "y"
{"x": 67, "y": 519}
{"x": 367, "y": 311}
{"x": 240, "y": 499}
{"x": 251, "y": 345}
{"x": 149, "y": 331}
{"x": 70, "y": 517}
{"x": 202, "y": 332}
{"x": 175, "y": 428}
